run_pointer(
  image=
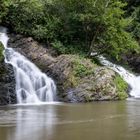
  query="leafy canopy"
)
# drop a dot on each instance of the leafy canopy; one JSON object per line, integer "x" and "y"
{"x": 73, "y": 26}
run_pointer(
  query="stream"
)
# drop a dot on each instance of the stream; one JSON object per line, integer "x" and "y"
{"x": 97, "y": 121}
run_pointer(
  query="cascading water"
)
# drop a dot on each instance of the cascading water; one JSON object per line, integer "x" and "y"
{"x": 131, "y": 79}
{"x": 32, "y": 86}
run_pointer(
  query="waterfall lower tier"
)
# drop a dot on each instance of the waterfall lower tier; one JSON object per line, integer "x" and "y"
{"x": 131, "y": 79}
{"x": 32, "y": 86}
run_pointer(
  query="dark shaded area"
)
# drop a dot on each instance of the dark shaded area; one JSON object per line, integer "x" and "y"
{"x": 7, "y": 85}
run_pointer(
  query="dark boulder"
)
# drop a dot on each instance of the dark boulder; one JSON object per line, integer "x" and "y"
{"x": 7, "y": 85}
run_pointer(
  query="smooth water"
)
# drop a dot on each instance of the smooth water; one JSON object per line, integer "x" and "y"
{"x": 96, "y": 121}
{"x": 32, "y": 86}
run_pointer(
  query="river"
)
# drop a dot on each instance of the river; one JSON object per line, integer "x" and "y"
{"x": 118, "y": 120}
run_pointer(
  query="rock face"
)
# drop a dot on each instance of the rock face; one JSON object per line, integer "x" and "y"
{"x": 31, "y": 49}
{"x": 7, "y": 85}
{"x": 77, "y": 79}
{"x": 7, "y": 81}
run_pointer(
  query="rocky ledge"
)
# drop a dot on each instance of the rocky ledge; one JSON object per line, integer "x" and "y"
{"x": 77, "y": 79}
{"x": 7, "y": 82}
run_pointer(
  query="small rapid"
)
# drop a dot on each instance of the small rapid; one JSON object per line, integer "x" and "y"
{"x": 32, "y": 86}
{"x": 132, "y": 80}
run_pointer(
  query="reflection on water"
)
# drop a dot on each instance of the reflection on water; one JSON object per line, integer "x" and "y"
{"x": 27, "y": 122}
{"x": 97, "y": 121}
{"x": 34, "y": 122}
{"x": 133, "y": 111}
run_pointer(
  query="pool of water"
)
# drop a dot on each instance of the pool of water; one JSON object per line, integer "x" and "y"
{"x": 94, "y": 121}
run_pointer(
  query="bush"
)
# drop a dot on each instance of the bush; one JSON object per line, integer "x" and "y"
{"x": 121, "y": 86}
{"x": 4, "y": 4}
{"x": 81, "y": 68}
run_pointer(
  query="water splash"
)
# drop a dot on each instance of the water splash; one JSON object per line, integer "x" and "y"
{"x": 131, "y": 79}
{"x": 32, "y": 86}
{"x": 3, "y": 36}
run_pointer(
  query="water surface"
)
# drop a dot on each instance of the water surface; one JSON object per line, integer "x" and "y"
{"x": 94, "y": 121}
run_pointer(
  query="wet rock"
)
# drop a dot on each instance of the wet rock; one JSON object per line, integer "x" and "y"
{"x": 7, "y": 81}
{"x": 35, "y": 52}
{"x": 7, "y": 85}
{"x": 77, "y": 79}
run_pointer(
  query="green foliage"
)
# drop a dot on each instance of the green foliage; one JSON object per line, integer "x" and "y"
{"x": 121, "y": 86}
{"x": 31, "y": 18}
{"x": 1, "y": 52}
{"x": 73, "y": 26}
{"x": 80, "y": 69}
{"x": 59, "y": 47}
{"x": 133, "y": 12}
{"x": 112, "y": 40}
{"x": 68, "y": 49}
{"x": 134, "y": 27}
{"x": 131, "y": 5}
{"x": 4, "y": 4}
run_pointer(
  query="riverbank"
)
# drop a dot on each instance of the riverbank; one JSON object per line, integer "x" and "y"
{"x": 77, "y": 78}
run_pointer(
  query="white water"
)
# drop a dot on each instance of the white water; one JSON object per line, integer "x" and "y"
{"x": 131, "y": 79}
{"x": 32, "y": 86}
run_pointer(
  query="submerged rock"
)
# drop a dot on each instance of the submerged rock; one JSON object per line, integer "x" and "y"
{"x": 77, "y": 78}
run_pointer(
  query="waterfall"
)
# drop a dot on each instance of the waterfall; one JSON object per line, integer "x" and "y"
{"x": 132, "y": 80}
{"x": 32, "y": 86}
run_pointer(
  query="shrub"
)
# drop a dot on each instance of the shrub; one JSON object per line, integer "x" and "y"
{"x": 121, "y": 86}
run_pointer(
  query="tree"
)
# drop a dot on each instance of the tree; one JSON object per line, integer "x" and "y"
{"x": 74, "y": 25}
{"x": 3, "y": 8}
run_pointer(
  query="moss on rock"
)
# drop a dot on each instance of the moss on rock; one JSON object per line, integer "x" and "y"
{"x": 78, "y": 79}
{"x": 122, "y": 87}
{"x": 1, "y": 52}
{"x": 82, "y": 67}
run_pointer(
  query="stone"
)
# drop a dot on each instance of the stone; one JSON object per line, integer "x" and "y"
{"x": 7, "y": 85}
{"x": 77, "y": 78}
